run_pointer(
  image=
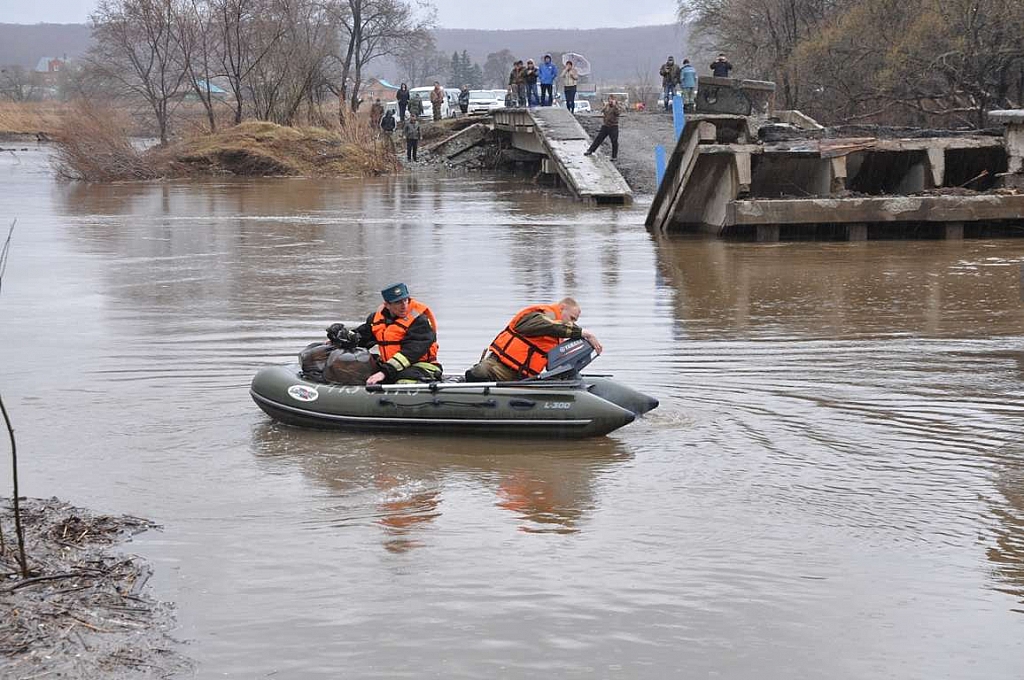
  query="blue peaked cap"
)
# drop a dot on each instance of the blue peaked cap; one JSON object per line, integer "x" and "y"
{"x": 395, "y": 292}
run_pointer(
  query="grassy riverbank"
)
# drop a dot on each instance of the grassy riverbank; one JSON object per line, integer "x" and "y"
{"x": 27, "y": 119}
{"x": 91, "y": 147}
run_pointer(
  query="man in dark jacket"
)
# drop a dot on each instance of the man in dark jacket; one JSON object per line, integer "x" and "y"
{"x": 720, "y": 67}
{"x": 405, "y": 333}
{"x": 669, "y": 73}
{"x": 415, "y": 106}
{"x": 403, "y": 101}
{"x": 387, "y": 123}
{"x": 609, "y": 127}
{"x": 464, "y": 99}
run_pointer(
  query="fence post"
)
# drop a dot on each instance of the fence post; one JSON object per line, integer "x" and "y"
{"x": 659, "y": 163}
{"x": 678, "y": 116}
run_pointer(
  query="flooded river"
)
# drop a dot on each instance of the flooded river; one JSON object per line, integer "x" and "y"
{"x": 833, "y": 486}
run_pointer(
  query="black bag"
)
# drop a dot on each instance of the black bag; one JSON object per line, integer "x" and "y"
{"x": 350, "y": 366}
{"x": 313, "y": 360}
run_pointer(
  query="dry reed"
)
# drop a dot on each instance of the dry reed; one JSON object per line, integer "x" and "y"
{"x": 93, "y": 145}
{"x": 29, "y": 118}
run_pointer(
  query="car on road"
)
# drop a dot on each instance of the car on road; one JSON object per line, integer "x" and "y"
{"x": 582, "y": 106}
{"x": 485, "y": 101}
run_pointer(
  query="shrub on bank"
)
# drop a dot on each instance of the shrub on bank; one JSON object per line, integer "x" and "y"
{"x": 92, "y": 148}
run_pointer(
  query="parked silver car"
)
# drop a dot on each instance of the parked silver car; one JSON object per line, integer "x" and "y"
{"x": 485, "y": 101}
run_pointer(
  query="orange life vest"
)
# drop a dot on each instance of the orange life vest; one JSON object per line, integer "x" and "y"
{"x": 528, "y": 356}
{"x": 389, "y": 336}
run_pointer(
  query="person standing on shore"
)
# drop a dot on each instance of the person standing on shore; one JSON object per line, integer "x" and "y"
{"x": 403, "y": 101}
{"x": 547, "y": 74}
{"x": 609, "y": 128}
{"x": 411, "y": 129}
{"x": 436, "y": 99}
{"x": 415, "y": 106}
{"x": 376, "y": 113}
{"x": 570, "y": 79}
{"x": 464, "y": 100}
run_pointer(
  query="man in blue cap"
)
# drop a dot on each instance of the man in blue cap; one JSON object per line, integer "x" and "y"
{"x": 405, "y": 333}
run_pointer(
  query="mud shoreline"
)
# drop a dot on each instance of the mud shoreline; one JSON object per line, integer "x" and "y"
{"x": 84, "y": 611}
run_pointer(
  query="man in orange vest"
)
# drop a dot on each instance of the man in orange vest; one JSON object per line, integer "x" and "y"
{"x": 405, "y": 333}
{"x": 521, "y": 349}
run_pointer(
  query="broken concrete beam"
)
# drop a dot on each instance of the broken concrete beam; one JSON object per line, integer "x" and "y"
{"x": 798, "y": 120}
{"x": 1013, "y": 119}
{"x": 977, "y": 208}
{"x": 741, "y": 163}
{"x": 732, "y": 95}
{"x": 455, "y": 144}
{"x": 937, "y": 165}
{"x": 838, "y": 167}
{"x": 707, "y": 132}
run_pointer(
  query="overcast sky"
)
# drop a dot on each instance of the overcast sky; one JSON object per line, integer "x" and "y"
{"x": 450, "y": 13}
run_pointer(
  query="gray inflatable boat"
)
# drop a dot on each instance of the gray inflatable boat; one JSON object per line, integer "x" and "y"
{"x": 562, "y": 405}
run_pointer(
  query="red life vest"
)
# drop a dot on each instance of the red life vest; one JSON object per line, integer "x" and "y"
{"x": 527, "y": 356}
{"x": 389, "y": 336}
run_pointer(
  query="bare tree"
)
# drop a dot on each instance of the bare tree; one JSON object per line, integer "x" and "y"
{"x": 248, "y": 33}
{"x": 135, "y": 47}
{"x": 644, "y": 88}
{"x": 374, "y": 28}
{"x": 417, "y": 58}
{"x": 18, "y": 84}
{"x": 497, "y": 67}
{"x": 200, "y": 45}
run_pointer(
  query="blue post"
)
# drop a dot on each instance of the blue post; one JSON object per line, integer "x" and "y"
{"x": 659, "y": 163}
{"x": 677, "y": 115}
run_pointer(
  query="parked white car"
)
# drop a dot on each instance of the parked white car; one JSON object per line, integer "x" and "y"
{"x": 485, "y": 101}
{"x": 582, "y": 106}
{"x": 428, "y": 106}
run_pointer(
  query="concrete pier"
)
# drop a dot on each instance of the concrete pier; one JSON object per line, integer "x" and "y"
{"x": 722, "y": 180}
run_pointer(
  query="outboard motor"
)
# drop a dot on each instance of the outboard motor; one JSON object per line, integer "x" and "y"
{"x": 567, "y": 359}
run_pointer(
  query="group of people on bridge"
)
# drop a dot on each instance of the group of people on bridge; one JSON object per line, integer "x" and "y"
{"x": 524, "y": 79}
{"x": 404, "y": 330}
{"x": 685, "y": 78}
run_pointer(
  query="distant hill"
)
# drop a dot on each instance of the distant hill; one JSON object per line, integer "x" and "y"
{"x": 616, "y": 54}
{"x": 24, "y": 44}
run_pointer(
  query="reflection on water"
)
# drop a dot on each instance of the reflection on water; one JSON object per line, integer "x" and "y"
{"x": 545, "y": 487}
{"x": 1007, "y": 553}
{"x": 830, "y": 487}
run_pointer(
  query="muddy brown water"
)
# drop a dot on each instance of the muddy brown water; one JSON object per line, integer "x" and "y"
{"x": 832, "y": 486}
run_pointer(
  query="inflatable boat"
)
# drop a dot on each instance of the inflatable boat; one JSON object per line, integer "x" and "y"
{"x": 564, "y": 404}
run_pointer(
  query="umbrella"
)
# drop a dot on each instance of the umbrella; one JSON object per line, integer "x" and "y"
{"x": 581, "y": 63}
